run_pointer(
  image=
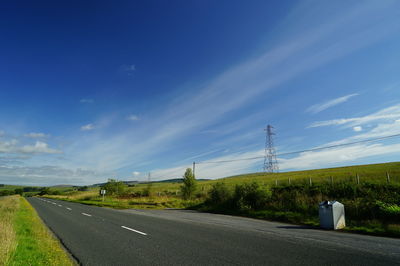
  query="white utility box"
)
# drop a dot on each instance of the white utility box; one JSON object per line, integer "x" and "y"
{"x": 331, "y": 215}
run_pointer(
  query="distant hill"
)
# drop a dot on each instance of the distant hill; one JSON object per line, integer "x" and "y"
{"x": 62, "y": 186}
{"x": 175, "y": 180}
{"x": 125, "y": 182}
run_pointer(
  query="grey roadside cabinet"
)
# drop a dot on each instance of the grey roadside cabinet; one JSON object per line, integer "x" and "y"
{"x": 331, "y": 215}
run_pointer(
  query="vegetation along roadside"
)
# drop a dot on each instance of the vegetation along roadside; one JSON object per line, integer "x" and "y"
{"x": 370, "y": 193}
{"x": 25, "y": 240}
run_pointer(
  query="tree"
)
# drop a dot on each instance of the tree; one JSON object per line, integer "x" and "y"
{"x": 84, "y": 188}
{"x": 44, "y": 191}
{"x": 189, "y": 184}
{"x": 114, "y": 187}
{"x": 19, "y": 191}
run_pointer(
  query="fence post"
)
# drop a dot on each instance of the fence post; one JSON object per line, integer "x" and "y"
{"x": 276, "y": 182}
{"x": 387, "y": 177}
{"x": 289, "y": 180}
{"x": 358, "y": 179}
{"x": 310, "y": 182}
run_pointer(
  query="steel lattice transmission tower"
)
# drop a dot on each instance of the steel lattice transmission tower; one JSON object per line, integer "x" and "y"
{"x": 270, "y": 162}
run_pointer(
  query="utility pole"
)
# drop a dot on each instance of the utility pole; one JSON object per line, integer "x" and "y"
{"x": 270, "y": 162}
{"x": 194, "y": 168}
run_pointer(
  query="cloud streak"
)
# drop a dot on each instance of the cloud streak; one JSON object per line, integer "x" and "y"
{"x": 86, "y": 101}
{"x": 87, "y": 127}
{"x": 36, "y": 135}
{"x": 329, "y": 104}
{"x": 390, "y": 113}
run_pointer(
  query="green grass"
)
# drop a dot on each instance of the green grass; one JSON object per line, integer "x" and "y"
{"x": 8, "y": 207}
{"x": 373, "y": 173}
{"x": 30, "y": 242}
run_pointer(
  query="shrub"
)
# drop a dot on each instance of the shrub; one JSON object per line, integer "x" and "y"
{"x": 219, "y": 195}
{"x": 148, "y": 190}
{"x": 19, "y": 191}
{"x": 250, "y": 197}
{"x": 44, "y": 191}
{"x": 83, "y": 188}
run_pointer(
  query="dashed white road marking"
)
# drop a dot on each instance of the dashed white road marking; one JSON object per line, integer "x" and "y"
{"x": 59, "y": 205}
{"x": 69, "y": 209}
{"x": 86, "y": 214}
{"x": 54, "y": 203}
{"x": 133, "y": 230}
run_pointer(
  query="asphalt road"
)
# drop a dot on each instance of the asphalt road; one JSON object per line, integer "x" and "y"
{"x": 101, "y": 236}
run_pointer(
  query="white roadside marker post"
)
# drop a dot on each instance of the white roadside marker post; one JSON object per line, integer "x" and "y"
{"x": 103, "y": 192}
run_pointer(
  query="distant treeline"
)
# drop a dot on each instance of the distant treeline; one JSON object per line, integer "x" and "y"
{"x": 27, "y": 191}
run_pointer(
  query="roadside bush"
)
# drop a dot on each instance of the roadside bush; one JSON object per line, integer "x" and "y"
{"x": 83, "y": 188}
{"x": 6, "y": 192}
{"x": 389, "y": 212}
{"x": 220, "y": 195}
{"x": 148, "y": 190}
{"x": 250, "y": 197}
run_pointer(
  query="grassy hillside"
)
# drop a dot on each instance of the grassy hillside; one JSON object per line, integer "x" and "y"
{"x": 25, "y": 240}
{"x": 373, "y": 173}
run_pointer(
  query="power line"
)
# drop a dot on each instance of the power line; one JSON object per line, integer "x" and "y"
{"x": 307, "y": 150}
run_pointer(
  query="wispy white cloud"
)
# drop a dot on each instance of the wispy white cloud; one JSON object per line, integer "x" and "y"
{"x": 39, "y": 147}
{"x": 316, "y": 108}
{"x": 48, "y": 175}
{"x": 357, "y": 128}
{"x": 135, "y": 173}
{"x": 390, "y": 113}
{"x": 86, "y": 101}
{"x": 329, "y": 157}
{"x": 132, "y": 117}
{"x": 87, "y": 127}
{"x": 35, "y": 135}
{"x": 129, "y": 69}
{"x": 13, "y": 147}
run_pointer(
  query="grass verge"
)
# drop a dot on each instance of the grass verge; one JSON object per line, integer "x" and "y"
{"x": 28, "y": 241}
{"x": 8, "y": 242}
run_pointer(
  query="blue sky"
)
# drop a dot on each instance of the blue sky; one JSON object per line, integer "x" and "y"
{"x": 93, "y": 90}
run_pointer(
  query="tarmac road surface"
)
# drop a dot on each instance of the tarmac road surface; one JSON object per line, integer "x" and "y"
{"x": 102, "y": 236}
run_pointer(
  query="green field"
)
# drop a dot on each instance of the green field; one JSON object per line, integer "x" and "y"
{"x": 25, "y": 240}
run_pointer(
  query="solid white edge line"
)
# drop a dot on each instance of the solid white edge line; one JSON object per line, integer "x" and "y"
{"x": 86, "y": 214}
{"x": 136, "y": 231}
